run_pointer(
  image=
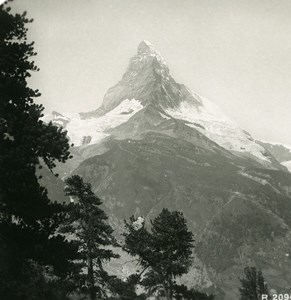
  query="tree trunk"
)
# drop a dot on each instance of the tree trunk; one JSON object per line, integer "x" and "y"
{"x": 170, "y": 290}
{"x": 167, "y": 292}
{"x": 92, "y": 294}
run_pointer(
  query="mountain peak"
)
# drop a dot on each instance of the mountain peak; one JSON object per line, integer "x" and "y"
{"x": 145, "y": 47}
{"x": 147, "y": 79}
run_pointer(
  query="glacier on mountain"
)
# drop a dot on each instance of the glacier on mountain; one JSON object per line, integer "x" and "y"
{"x": 217, "y": 126}
{"x": 95, "y": 128}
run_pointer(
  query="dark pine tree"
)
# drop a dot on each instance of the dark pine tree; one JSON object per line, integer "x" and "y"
{"x": 89, "y": 223}
{"x": 28, "y": 219}
{"x": 253, "y": 285}
{"x": 164, "y": 251}
{"x": 181, "y": 292}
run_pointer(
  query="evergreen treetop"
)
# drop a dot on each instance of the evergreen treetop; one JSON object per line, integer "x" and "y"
{"x": 164, "y": 251}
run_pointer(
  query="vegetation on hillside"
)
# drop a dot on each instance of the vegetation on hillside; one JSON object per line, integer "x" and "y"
{"x": 253, "y": 285}
{"x": 28, "y": 219}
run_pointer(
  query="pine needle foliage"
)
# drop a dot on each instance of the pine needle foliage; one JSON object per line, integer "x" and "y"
{"x": 89, "y": 223}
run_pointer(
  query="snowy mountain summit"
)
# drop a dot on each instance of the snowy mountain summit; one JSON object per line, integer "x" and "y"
{"x": 146, "y": 47}
{"x": 147, "y": 88}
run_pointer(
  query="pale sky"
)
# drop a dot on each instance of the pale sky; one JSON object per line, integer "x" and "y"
{"x": 236, "y": 53}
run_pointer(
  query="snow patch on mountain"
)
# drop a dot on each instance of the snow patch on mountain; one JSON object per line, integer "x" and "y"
{"x": 57, "y": 119}
{"x": 92, "y": 131}
{"x": 217, "y": 126}
{"x": 254, "y": 178}
{"x": 287, "y": 164}
{"x": 164, "y": 116}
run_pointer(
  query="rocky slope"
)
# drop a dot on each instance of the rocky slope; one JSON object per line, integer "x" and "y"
{"x": 153, "y": 143}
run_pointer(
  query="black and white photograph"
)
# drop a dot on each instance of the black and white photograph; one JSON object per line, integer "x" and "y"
{"x": 145, "y": 150}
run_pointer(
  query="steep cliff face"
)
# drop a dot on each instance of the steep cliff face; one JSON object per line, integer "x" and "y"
{"x": 153, "y": 143}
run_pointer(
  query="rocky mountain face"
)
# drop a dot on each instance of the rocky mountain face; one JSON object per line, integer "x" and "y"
{"x": 153, "y": 143}
{"x": 281, "y": 152}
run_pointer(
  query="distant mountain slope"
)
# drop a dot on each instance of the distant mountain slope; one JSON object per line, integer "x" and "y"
{"x": 54, "y": 185}
{"x": 281, "y": 152}
{"x": 153, "y": 143}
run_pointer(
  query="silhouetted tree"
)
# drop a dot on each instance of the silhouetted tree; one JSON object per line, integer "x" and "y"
{"x": 93, "y": 233}
{"x": 181, "y": 292}
{"x": 124, "y": 290}
{"x": 164, "y": 251}
{"x": 253, "y": 285}
{"x": 28, "y": 219}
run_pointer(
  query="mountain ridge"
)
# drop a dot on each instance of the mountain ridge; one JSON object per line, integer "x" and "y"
{"x": 147, "y": 82}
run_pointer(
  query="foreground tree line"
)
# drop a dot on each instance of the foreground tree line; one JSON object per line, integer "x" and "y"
{"x": 57, "y": 251}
